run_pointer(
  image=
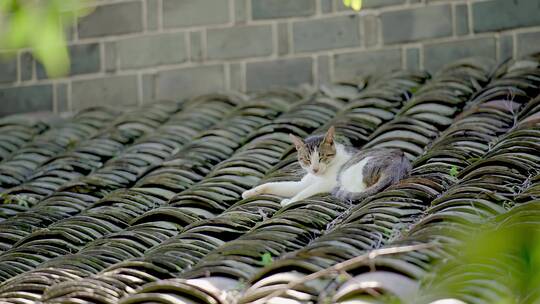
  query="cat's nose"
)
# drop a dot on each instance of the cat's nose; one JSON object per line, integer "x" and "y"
{"x": 315, "y": 170}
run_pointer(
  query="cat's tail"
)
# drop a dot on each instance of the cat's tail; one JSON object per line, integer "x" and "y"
{"x": 383, "y": 182}
{"x": 392, "y": 175}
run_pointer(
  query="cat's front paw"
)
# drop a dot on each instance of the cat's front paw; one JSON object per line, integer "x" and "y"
{"x": 286, "y": 202}
{"x": 249, "y": 193}
{"x": 252, "y": 192}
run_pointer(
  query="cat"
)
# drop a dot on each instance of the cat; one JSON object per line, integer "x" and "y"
{"x": 346, "y": 172}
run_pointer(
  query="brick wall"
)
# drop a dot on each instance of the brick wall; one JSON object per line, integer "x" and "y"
{"x": 130, "y": 52}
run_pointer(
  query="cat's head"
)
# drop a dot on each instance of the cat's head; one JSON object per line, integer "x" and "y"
{"x": 315, "y": 153}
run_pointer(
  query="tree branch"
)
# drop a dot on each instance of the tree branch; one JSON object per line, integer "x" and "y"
{"x": 344, "y": 266}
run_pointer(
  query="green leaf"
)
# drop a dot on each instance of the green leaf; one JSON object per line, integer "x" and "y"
{"x": 266, "y": 259}
{"x": 39, "y": 25}
{"x": 354, "y": 4}
{"x": 49, "y": 43}
{"x": 453, "y": 171}
{"x": 50, "y": 48}
{"x": 342, "y": 278}
{"x": 21, "y": 26}
{"x": 8, "y": 6}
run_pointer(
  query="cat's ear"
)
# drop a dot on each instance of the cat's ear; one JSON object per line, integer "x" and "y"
{"x": 297, "y": 141}
{"x": 329, "y": 137}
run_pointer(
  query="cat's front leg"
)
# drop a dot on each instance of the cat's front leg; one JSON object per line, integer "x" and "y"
{"x": 307, "y": 192}
{"x": 278, "y": 188}
{"x": 254, "y": 191}
{"x": 296, "y": 198}
{"x": 300, "y": 196}
{"x": 285, "y": 202}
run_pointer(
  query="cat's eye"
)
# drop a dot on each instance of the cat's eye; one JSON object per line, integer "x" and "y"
{"x": 327, "y": 156}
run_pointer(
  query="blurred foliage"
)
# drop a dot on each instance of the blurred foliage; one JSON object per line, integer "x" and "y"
{"x": 499, "y": 264}
{"x": 354, "y": 4}
{"x": 40, "y": 25}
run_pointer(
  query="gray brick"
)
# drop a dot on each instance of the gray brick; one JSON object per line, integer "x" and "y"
{"x": 27, "y": 66}
{"x": 416, "y": 24}
{"x": 8, "y": 69}
{"x": 147, "y": 51}
{"x": 61, "y": 97}
{"x": 266, "y": 9}
{"x": 348, "y": 66}
{"x": 438, "y": 54}
{"x": 412, "y": 59}
{"x": 236, "y": 77}
{"x": 506, "y": 47}
{"x": 240, "y": 42}
{"x": 380, "y": 3}
{"x": 370, "y": 4}
{"x": 108, "y": 91}
{"x": 326, "y": 33}
{"x": 240, "y": 11}
{"x": 189, "y": 82}
{"x": 499, "y": 15}
{"x": 195, "y": 12}
{"x": 112, "y": 19}
{"x": 148, "y": 88}
{"x": 283, "y": 39}
{"x": 152, "y": 13}
{"x": 323, "y": 69}
{"x": 26, "y": 99}
{"x": 371, "y": 32}
{"x": 84, "y": 59}
{"x": 327, "y": 6}
{"x": 111, "y": 57}
{"x": 196, "y": 46}
{"x": 528, "y": 43}
{"x": 462, "y": 19}
{"x": 279, "y": 73}
{"x": 70, "y": 33}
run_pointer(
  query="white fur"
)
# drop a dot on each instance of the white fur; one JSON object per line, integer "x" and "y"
{"x": 352, "y": 179}
{"x": 325, "y": 181}
{"x": 315, "y": 163}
